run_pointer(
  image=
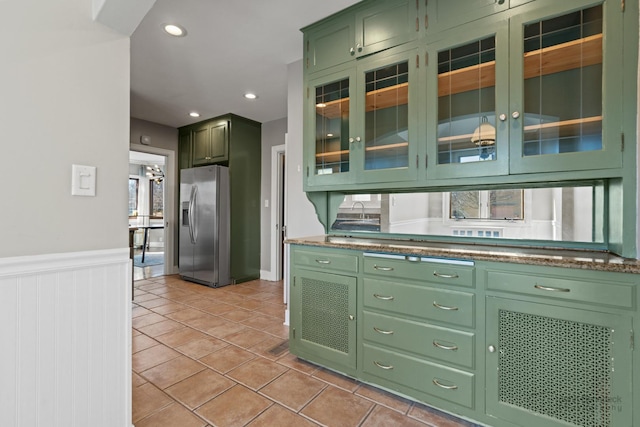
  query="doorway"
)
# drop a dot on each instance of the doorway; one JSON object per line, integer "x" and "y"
{"x": 278, "y": 197}
{"x": 151, "y": 210}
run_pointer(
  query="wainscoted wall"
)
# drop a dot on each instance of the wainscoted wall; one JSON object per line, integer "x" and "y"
{"x": 65, "y": 326}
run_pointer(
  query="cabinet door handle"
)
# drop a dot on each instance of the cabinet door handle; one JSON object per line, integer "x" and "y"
{"x": 444, "y": 307}
{"x": 445, "y": 347}
{"x": 547, "y": 288}
{"x": 379, "y": 268}
{"x": 382, "y": 331}
{"x": 446, "y": 387}
{"x": 381, "y": 366}
{"x": 323, "y": 261}
{"x": 445, "y": 276}
{"x": 383, "y": 297}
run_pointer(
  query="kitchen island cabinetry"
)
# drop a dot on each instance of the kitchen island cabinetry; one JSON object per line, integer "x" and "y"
{"x": 501, "y": 343}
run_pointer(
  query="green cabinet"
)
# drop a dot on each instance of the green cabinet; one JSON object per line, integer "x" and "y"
{"x": 323, "y": 308}
{"x": 360, "y": 31}
{"x": 362, "y": 122}
{"x": 210, "y": 143}
{"x": 235, "y": 142}
{"x": 501, "y": 91}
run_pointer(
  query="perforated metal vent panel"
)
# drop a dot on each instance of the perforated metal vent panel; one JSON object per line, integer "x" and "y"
{"x": 556, "y": 367}
{"x": 325, "y": 314}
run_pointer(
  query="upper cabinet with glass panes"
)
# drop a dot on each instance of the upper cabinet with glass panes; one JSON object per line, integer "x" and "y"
{"x": 484, "y": 92}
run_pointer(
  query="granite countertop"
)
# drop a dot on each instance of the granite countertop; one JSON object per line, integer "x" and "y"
{"x": 583, "y": 259}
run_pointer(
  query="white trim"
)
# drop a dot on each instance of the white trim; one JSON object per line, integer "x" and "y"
{"x": 33, "y": 264}
{"x": 276, "y": 176}
{"x": 267, "y": 275}
{"x": 171, "y": 177}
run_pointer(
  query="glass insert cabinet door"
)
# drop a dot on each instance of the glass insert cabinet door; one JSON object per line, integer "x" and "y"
{"x": 561, "y": 75}
{"x": 467, "y": 129}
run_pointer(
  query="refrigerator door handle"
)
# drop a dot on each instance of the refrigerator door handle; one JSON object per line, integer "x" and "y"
{"x": 194, "y": 217}
{"x": 191, "y": 213}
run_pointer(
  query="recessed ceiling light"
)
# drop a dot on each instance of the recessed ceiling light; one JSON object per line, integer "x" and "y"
{"x": 250, "y": 95}
{"x": 329, "y": 135}
{"x": 175, "y": 30}
{"x": 321, "y": 105}
{"x": 194, "y": 114}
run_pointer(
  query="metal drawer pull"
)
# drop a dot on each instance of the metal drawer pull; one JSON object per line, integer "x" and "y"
{"x": 445, "y": 347}
{"x": 383, "y": 297}
{"x": 444, "y": 307}
{"x": 377, "y": 267}
{"x": 323, "y": 261}
{"x": 547, "y": 288}
{"x": 445, "y": 276}
{"x": 381, "y": 366}
{"x": 447, "y": 387}
{"x": 382, "y": 331}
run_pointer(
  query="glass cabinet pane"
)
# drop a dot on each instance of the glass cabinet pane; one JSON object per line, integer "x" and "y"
{"x": 466, "y": 103}
{"x": 332, "y": 128}
{"x": 386, "y": 117}
{"x": 563, "y": 84}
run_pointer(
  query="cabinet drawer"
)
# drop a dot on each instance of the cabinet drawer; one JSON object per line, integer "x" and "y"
{"x": 440, "y": 381}
{"x": 335, "y": 261}
{"x": 600, "y": 292}
{"x": 441, "y": 305}
{"x": 448, "y": 345}
{"x": 446, "y": 272}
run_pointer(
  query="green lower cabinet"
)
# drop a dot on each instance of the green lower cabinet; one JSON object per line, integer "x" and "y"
{"x": 323, "y": 319}
{"x": 557, "y": 366}
{"x": 406, "y": 373}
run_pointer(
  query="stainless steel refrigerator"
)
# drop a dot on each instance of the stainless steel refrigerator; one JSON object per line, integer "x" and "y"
{"x": 204, "y": 225}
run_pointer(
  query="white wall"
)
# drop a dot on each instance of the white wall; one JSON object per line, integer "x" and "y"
{"x": 64, "y": 100}
{"x": 301, "y": 215}
{"x": 64, "y": 85}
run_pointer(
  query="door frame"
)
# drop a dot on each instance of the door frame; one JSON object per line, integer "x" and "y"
{"x": 170, "y": 177}
{"x": 278, "y": 209}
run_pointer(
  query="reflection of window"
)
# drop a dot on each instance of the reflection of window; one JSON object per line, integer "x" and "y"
{"x": 491, "y": 204}
{"x": 156, "y": 198}
{"x": 133, "y": 197}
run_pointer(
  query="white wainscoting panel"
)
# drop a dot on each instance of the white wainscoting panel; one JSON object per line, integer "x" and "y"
{"x": 65, "y": 326}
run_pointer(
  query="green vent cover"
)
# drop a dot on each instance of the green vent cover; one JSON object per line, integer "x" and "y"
{"x": 325, "y": 314}
{"x": 555, "y": 367}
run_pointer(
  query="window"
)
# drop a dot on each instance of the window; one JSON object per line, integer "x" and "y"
{"x": 487, "y": 204}
{"x": 156, "y": 201}
{"x": 133, "y": 197}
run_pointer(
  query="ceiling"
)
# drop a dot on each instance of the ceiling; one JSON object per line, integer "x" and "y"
{"x": 231, "y": 47}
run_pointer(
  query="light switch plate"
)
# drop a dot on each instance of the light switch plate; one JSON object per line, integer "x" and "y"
{"x": 83, "y": 180}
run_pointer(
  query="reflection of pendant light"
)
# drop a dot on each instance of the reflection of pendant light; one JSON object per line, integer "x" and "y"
{"x": 485, "y": 134}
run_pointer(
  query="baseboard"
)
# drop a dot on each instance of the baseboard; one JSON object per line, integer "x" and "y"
{"x": 267, "y": 275}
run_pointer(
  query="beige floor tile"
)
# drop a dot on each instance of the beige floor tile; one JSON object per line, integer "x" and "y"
{"x": 200, "y": 348}
{"x": 249, "y": 304}
{"x": 257, "y": 373}
{"x": 146, "y": 320}
{"x": 272, "y": 348}
{"x": 225, "y": 329}
{"x": 170, "y": 308}
{"x": 261, "y": 322}
{"x": 169, "y": 373}
{"x": 160, "y": 328}
{"x": 227, "y": 359}
{"x": 384, "y": 417}
{"x": 293, "y": 389}
{"x": 144, "y": 297}
{"x": 235, "y": 407}
{"x": 238, "y": 315}
{"x": 247, "y": 337}
{"x": 138, "y": 311}
{"x": 435, "y": 418}
{"x": 334, "y": 406}
{"x": 217, "y": 308}
{"x": 294, "y": 362}
{"x": 174, "y": 415}
{"x": 153, "y": 356}
{"x": 180, "y": 337}
{"x": 142, "y": 342}
{"x": 146, "y": 400}
{"x": 137, "y": 380}
{"x": 384, "y": 398}
{"x": 154, "y": 303}
{"x": 278, "y": 416}
{"x": 199, "y": 388}
{"x": 185, "y": 315}
{"x": 337, "y": 380}
{"x": 205, "y": 322}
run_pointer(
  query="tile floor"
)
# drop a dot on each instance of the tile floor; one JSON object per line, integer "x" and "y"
{"x": 218, "y": 357}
